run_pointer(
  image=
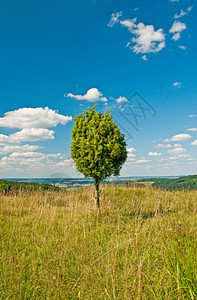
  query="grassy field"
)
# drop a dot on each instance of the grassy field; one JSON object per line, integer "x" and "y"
{"x": 142, "y": 244}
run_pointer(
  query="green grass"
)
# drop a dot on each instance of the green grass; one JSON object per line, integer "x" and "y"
{"x": 142, "y": 244}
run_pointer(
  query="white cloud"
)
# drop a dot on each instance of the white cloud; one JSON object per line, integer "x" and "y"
{"x": 177, "y": 145}
{"x": 129, "y": 23}
{"x": 114, "y": 18}
{"x": 181, "y": 137}
{"x": 176, "y": 30}
{"x": 147, "y": 40}
{"x": 192, "y": 129}
{"x": 16, "y": 148}
{"x": 64, "y": 163}
{"x": 121, "y": 99}
{"x": 166, "y": 140}
{"x": 33, "y": 118}
{"x": 4, "y": 140}
{"x": 192, "y": 116}
{"x": 194, "y": 143}
{"x": 131, "y": 155}
{"x": 154, "y": 154}
{"x": 142, "y": 161}
{"x": 183, "y": 47}
{"x": 183, "y": 13}
{"x": 144, "y": 57}
{"x": 174, "y": 0}
{"x": 92, "y": 95}
{"x": 130, "y": 150}
{"x": 177, "y": 84}
{"x": 23, "y": 158}
{"x": 32, "y": 134}
{"x": 176, "y": 150}
{"x": 163, "y": 146}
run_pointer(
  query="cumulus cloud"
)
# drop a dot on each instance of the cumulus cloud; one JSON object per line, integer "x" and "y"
{"x": 176, "y": 150}
{"x": 92, "y": 95}
{"x": 176, "y": 30}
{"x": 16, "y": 148}
{"x": 23, "y": 158}
{"x": 154, "y": 154}
{"x": 33, "y": 118}
{"x": 148, "y": 39}
{"x": 181, "y": 137}
{"x": 142, "y": 161}
{"x": 177, "y": 84}
{"x": 130, "y": 150}
{"x": 131, "y": 155}
{"x": 145, "y": 38}
{"x": 192, "y": 116}
{"x": 65, "y": 162}
{"x": 194, "y": 143}
{"x": 163, "y": 146}
{"x": 121, "y": 99}
{"x": 192, "y": 129}
{"x": 32, "y": 134}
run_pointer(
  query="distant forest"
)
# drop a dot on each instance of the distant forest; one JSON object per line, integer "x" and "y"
{"x": 14, "y": 186}
{"x": 181, "y": 183}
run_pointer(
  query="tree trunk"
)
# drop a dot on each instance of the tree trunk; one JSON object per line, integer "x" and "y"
{"x": 97, "y": 194}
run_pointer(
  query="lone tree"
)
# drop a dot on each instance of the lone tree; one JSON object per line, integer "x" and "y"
{"x": 98, "y": 148}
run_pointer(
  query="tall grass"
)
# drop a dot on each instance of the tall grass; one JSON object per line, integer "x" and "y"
{"x": 142, "y": 245}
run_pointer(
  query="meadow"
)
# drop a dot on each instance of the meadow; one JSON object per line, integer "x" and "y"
{"x": 141, "y": 245}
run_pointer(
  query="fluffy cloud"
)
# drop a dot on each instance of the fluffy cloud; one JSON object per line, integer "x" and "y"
{"x": 148, "y": 39}
{"x": 4, "y": 140}
{"x": 142, "y": 161}
{"x": 145, "y": 38}
{"x": 130, "y": 150}
{"x": 16, "y": 148}
{"x": 23, "y": 158}
{"x": 177, "y": 84}
{"x": 154, "y": 154}
{"x": 181, "y": 137}
{"x": 163, "y": 146}
{"x": 32, "y": 134}
{"x": 194, "y": 143}
{"x": 121, "y": 99}
{"x": 33, "y": 118}
{"x": 92, "y": 95}
{"x": 176, "y": 150}
{"x": 192, "y": 129}
{"x": 176, "y": 30}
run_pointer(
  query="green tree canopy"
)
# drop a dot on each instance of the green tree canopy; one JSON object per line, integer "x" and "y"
{"x": 98, "y": 148}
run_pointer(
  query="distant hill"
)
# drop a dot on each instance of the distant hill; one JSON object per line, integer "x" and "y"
{"x": 9, "y": 186}
{"x": 185, "y": 182}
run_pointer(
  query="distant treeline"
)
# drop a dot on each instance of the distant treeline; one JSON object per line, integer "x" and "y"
{"x": 181, "y": 183}
{"x": 14, "y": 186}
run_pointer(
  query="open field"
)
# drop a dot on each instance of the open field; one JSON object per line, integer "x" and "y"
{"x": 142, "y": 244}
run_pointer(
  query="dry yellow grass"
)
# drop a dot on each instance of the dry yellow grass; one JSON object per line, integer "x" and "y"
{"x": 142, "y": 244}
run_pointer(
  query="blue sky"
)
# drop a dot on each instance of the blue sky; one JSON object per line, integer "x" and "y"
{"x": 58, "y": 58}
